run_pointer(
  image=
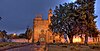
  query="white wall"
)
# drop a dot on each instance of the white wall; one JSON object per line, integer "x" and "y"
{"x": 19, "y": 40}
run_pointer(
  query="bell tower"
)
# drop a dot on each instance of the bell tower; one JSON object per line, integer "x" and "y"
{"x": 49, "y": 15}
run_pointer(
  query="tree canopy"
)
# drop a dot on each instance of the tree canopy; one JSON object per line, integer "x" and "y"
{"x": 28, "y": 33}
{"x": 75, "y": 18}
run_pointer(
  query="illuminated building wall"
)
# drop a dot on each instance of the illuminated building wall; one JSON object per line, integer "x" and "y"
{"x": 41, "y": 29}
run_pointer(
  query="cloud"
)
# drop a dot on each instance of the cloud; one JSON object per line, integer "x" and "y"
{"x": 18, "y": 14}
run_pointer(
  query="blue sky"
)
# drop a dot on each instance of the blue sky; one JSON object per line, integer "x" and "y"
{"x": 97, "y": 12}
{"x": 18, "y": 14}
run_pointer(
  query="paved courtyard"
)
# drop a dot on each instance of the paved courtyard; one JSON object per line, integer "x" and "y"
{"x": 27, "y": 48}
{"x": 54, "y": 48}
{"x": 72, "y": 48}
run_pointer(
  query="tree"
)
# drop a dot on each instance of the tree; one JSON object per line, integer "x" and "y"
{"x": 3, "y": 34}
{"x": 64, "y": 20}
{"x": 28, "y": 33}
{"x": 86, "y": 10}
{"x": 13, "y": 36}
{"x": 75, "y": 18}
{"x": 22, "y": 35}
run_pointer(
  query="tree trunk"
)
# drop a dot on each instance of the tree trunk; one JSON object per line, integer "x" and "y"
{"x": 93, "y": 39}
{"x": 28, "y": 40}
{"x": 71, "y": 38}
{"x": 86, "y": 39}
{"x": 32, "y": 40}
{"x": 82, "y": 39}
{"x": 65, "y": 37}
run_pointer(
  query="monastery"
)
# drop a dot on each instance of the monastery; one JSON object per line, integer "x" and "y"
{"x": 41, "y": 31}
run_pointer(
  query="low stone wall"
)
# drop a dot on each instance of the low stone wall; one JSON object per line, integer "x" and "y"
{"x": 19, "y": 40}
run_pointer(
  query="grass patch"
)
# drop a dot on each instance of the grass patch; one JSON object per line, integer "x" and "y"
{"x": 94, "y": 46}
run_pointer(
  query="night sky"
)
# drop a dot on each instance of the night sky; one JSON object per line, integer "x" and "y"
{"x": 18, "y": 14}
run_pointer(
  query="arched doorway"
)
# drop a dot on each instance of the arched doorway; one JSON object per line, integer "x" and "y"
{"x": 42, "y": 37}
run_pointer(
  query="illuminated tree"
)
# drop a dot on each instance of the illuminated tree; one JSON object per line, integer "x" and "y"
{"x": 75, "y": 18}
{"x": 64, "y": 20}
{"x": 87, "y": 23}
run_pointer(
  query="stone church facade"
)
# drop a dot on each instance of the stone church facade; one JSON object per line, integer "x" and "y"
{"x": 41, "y": 29}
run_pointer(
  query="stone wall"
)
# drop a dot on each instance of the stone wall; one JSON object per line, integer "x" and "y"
{"x": 19, "y": 40}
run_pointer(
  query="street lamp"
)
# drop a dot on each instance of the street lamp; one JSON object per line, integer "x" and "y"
{"x": 14, "y": 34}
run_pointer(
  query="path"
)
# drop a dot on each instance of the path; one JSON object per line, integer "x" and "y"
{"x": 27, "y": 48}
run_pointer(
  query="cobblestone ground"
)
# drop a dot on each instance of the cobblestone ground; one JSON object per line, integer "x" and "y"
{"x": 71, "y": 48}
{"x": 28, "y": 48}
{"x": 53, "y": 48}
